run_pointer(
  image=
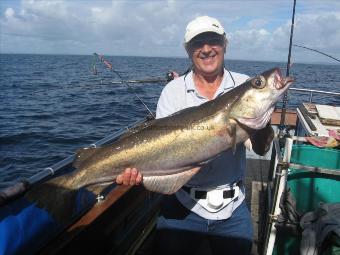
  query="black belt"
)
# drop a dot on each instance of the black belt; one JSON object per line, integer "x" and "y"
{"x": 202, "y": 194}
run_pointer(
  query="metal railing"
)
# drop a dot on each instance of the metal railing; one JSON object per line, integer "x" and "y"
{"x": 312, "y": 91}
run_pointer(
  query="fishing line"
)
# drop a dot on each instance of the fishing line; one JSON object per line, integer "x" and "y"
{"x": 304, "y": 47}
{"x": 122, "y": 81}
{"x": 129, "y": 87}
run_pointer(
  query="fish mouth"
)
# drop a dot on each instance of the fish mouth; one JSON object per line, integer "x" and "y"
{"x": 281, "y": 82}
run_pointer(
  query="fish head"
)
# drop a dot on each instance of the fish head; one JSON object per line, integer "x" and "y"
{"x": 255, "y": 106}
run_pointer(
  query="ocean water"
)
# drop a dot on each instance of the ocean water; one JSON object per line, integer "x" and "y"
{"x": 52, "y": 105}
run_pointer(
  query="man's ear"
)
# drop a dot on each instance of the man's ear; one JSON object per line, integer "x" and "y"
{"x": 188, "y": 50}
{"x": 225, "y": 45}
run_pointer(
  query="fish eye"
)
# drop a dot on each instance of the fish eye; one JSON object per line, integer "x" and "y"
{"x": 258, "y": 82}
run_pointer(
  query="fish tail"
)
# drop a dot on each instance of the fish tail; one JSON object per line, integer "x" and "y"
{"x": 61, "y": 202}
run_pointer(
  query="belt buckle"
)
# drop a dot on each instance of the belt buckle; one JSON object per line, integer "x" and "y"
{"x": 214, "y": 200}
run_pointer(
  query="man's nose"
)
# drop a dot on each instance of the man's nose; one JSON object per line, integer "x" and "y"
{"x": 206, "y": 48}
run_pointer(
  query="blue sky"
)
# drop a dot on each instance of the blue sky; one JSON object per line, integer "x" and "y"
{"x": 256, "y": 29}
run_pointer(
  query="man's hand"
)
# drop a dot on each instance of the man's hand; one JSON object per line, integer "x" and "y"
{"x": 131, "y": 176}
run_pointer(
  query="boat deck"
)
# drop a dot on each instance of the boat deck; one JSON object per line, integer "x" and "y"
{"x": 290, "y": 117}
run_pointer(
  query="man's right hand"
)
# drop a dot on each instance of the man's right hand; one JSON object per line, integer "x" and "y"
{"x": 131, "y": 176}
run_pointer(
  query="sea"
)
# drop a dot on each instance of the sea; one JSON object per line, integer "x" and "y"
{"x": 53, "y": 105}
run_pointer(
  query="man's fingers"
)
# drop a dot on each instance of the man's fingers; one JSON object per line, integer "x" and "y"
{"x": 139, "y": 178}
{"x": 119, "y": 179}
{"x": 127, "y": 176}
{"x": 133, "y": 176}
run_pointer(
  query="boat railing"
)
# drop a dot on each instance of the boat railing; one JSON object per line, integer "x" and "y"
{"x": 314, "y": 91}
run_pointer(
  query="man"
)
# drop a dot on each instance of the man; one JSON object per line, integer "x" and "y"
{"x": 211, "y": 207}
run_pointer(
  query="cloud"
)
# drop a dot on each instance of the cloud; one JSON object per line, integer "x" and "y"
{"x": 9, "y": 13}
{"x": 321, "y": 32}
{"x": 156, "y": 28}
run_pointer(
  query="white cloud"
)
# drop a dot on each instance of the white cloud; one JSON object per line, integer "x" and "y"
{"x": 256, "y": 29}
{"x": 9, "y": 13}
{"x": 257, "y": 23}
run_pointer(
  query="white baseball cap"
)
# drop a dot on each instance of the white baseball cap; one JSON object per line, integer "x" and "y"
{"x": 202, "y": 24}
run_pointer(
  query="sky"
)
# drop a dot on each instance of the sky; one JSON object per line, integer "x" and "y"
{"x": 256, "y": 29}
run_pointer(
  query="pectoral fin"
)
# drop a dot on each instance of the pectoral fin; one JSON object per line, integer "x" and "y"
{"x": 262, "y": 139}
{"x": 231, "y": 129}
{"x": 232, "y": 134}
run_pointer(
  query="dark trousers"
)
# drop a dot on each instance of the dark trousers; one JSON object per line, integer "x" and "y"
{"x": 180, "y": 231}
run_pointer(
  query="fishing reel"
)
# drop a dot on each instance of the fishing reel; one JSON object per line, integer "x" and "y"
{"x": 170, "y": 76}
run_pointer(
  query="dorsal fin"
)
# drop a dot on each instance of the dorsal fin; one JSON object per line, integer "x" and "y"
{"x": 82, "y": 155}
{"x": 137, "y": 128}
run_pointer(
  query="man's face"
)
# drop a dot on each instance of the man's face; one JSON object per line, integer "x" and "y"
{"x": 207, "y": 53}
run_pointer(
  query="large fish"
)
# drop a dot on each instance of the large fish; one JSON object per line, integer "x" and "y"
{"x": 167, "y": 149}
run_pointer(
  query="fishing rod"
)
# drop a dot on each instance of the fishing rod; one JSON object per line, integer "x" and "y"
{"x": 122, "y": 81}
{"x": 169, "y": 77}
{"x": 157, "y": 80}
{"x": 285, "y": 95}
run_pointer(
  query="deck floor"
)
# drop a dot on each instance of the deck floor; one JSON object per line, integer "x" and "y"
{"x": 255, "y": 181}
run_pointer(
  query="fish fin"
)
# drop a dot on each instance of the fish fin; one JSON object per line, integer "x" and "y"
{"x": 230, "y": 105}
{"x": 232, "y": 133}
{"x": 168, "y": 184}
{"x": 137, "y": 128}
{"x": 232, "y": 124}
{"x": 82, "y": 155}
{"x": 262, "y": 139}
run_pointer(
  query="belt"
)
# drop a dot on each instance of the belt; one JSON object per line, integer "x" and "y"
{"x": 202, "y": 194}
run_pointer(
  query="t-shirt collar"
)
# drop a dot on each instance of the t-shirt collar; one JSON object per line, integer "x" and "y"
{"x": 226, "y": 84}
